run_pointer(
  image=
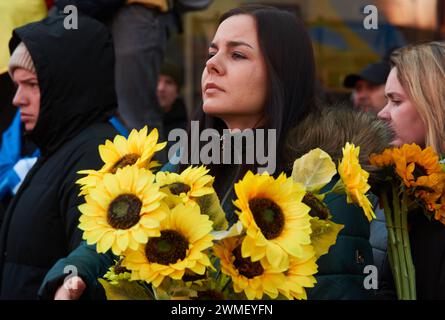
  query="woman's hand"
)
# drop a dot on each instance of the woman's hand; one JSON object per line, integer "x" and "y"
{"x": 71, "y": 289}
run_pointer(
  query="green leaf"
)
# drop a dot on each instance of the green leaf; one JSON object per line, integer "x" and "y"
{"x": 174, "y": 290}
{"x": 324, "y": 235}
{"x": 234, "y": 231}
{"x": 314, "y": 170}
{"x": 211, "y": 206}
{"x": 125, "y": 290}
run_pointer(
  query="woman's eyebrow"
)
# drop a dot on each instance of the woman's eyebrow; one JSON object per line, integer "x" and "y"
{"x": 393, "y": 95}
{"x": 238, "y": 43}
{"x": 29, "y": 78}
{"x": 232, "y": 44}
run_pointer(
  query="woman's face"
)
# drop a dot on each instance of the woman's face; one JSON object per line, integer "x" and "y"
{"x": 234, "y": 80}
{"x": 401, "y": 114}
{"x": 27, "y": 97}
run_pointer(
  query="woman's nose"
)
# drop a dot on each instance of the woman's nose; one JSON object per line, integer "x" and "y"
{"x": 19, "y": 98}
{"x": 214, "y": 66}
{"x": 384, "y": 113}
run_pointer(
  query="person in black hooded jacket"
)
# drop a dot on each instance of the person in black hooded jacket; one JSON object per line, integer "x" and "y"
{"x": 74, "y": 80}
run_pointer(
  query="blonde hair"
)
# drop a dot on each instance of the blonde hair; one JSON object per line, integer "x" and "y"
{"x": 421, "y": 72}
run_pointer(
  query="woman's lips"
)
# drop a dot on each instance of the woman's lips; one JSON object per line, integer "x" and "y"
{"x": 212, "y": 88}
{"x": 25, "y": 118}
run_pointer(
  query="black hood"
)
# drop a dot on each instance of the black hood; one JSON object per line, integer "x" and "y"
{"x": 75, "y": 70}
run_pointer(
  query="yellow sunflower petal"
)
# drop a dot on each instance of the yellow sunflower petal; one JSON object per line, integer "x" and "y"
{"x": 105, "y": 242}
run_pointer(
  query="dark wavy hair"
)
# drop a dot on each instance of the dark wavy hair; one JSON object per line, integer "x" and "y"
{"x": 290, "y": 66}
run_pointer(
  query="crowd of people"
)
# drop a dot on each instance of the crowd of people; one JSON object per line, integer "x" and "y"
{"x": 74, "y": 90}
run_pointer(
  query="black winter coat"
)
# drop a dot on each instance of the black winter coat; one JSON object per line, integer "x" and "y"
{"x": 75, "y": 69}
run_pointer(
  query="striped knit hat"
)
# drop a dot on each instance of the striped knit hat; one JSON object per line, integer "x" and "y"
{"x": 21, "y": 58}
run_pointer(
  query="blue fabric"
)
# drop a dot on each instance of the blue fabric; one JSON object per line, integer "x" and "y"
{"x": 119, "y": 126}
{"x": 9, "y": 155}
{"x": 379, "y": 238}
{"x": 11, "y": 145}
{"x": 8, "y": 182}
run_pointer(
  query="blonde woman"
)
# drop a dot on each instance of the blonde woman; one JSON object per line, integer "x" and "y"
{"x": 416, "y": 112}
{"x": 416, "y": 95}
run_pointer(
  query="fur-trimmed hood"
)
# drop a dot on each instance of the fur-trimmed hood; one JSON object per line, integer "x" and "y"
{"x": 330, "y": 129}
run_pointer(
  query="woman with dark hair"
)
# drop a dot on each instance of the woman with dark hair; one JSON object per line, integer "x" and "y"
{"x": 260, "y": 74}
{"x": 285, "y": 89}
{"x": 250, "y": 82}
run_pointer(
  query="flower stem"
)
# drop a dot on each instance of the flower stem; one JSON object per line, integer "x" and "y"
{"x": 229, "y": 281}
{"x": 399, "y": 242}
{"x": 392, "y": 249}
{"x": 407, "y": 249}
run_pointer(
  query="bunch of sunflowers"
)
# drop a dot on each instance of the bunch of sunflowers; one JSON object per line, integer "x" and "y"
{"x": 171, "y": 239}
{"x": 413, "y": 178}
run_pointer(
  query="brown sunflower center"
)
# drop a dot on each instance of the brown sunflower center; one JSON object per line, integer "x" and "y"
{"x": 419, "y": 171}
{"x": 177, "y": 188}
{"x": 245, "y": 266}
{"x": 170, "y": 247}
{"x": 268, "y": 217}
{"x": 127, "y": 160}
{"x": 124, "y": 211}
{"x": 191, "y": 276}
{"x": 119, "y": 269}
{"x": 318, "y": 208}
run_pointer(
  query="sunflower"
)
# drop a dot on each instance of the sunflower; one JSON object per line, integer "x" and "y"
{"x": 300, "y": 275}
{"x": 419, "y": 170}
{"x": 431, "y": 199}
{"x": 254, "y": 278}
{"x": 192, "y": 183}
{"x": 439, "y": 210}
{"x": 122, "y": 211}
{"x": 428, "y": 187}
{"x": 184, "y": 237}
{"x": 276, "y": 220}
{"x": 384, "y": 159}
{"x": 417, "y": 167}
{"x": 138, "y": 150}
{"x": 355, "y": 179}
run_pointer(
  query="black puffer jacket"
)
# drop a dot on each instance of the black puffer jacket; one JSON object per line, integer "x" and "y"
{"x": 75, "y": 69}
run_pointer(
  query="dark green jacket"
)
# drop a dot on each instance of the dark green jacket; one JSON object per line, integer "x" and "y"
{"x": 340, "y": 272}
